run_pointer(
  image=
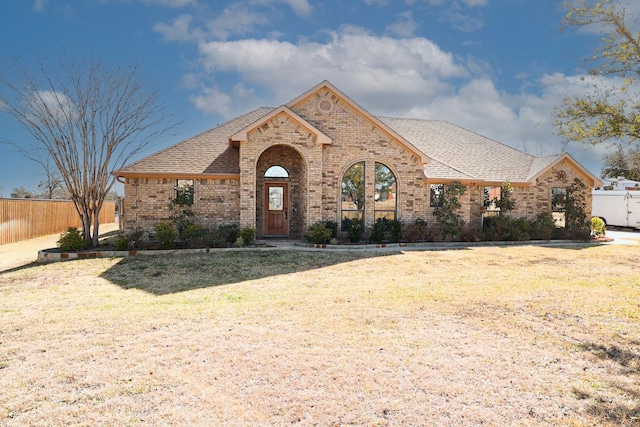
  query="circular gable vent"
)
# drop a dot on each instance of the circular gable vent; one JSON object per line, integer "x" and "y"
{"x": 325, "y": 106}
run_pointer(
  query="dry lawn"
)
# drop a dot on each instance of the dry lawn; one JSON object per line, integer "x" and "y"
{"x": 504, "y": 336}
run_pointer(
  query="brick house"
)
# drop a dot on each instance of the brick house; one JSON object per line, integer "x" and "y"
{"x": 323, "y": 157}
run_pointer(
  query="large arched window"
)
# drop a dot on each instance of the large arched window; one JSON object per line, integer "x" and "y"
{"x": 385, "y": 196}
{"x": 353, "y": 194}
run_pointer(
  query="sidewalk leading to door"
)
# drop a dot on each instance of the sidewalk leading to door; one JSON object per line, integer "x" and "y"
{"x": 17, "y": 254}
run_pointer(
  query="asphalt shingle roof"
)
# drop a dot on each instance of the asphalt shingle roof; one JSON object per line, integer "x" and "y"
{"x": 455, "y": 153}
{"x": 461, "y": 154}
{"x": 208, "y": 152}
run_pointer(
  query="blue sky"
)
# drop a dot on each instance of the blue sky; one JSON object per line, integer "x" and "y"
{"x": 496, "y": 67}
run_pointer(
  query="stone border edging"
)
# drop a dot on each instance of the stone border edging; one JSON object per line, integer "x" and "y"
{"x": 49, "y": 255}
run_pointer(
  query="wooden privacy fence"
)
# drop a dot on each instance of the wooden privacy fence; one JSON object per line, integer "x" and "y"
{"x": 22, "y": 219}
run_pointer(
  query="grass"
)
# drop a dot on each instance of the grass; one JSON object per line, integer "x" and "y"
{"x": 485, "y": 336}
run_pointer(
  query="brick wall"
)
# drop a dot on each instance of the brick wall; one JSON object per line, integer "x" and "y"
{"x": 216, "y": 202}
{"x": 356, "y": 139}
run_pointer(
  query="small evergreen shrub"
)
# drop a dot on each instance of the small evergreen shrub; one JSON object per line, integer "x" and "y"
{"x": 543, "y": 227}
{"x": 519, "y": 229}
{"x": 166, "y": 235}
{"x": 333, "y": 226}
{"x": 72, "y": 240}
{"x": 248, "y": 236}
{"x": 395, "y": 230}
{"x": 355, "y": 230}
{"x": 378, "y": 231}
{"x": 598, "y": 227}
{"x": 121, "y": 242}
{"x": 319, "y": 233}
{"x": 192, "y": 234}
{"x": 229, "y": 232}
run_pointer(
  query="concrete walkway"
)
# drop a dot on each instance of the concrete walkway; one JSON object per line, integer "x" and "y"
{"x": 21, "y": 253}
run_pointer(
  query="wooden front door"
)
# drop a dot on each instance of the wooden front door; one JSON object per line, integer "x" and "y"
{"x": 276, "y": 209}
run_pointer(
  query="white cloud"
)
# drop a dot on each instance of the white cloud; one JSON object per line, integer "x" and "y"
{"x": 300, "y": 7}
{"x": 178, "y": 30}
{"x": 396, "y": 72}
{"x": 215, "y": 101}
{"x": 236, "y": 19}
{"x": 404, "y": 26}
{"x": 462, "y": 21}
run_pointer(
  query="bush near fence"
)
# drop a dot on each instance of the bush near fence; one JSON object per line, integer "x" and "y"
{"x": 22, "y": 219}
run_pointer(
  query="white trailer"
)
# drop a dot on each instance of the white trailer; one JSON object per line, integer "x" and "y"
{"x": 617, "y": 207}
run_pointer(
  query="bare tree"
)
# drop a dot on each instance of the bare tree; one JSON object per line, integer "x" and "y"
{"x": 52, "y": 180}
{"x": 89, "y": 120}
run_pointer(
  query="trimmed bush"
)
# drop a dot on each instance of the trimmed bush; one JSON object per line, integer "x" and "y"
{"x": 333, "y": 226}
{"x": 354, "y": 230}
{"x": 121, "y": 242}
{"x": 319, "y": 233}
{"x": 248, "y": 236}
{"x": 72, "y": 240}
{"x": 598, "y": 227}
{"x": 166, "y": 235}
{"x": 543, "y": 227}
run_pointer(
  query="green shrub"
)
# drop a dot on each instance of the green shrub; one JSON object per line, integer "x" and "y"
{"x": 505, "y": 228}
{"x": 333, "y": 226}
{"x": 191, "y": 233}
{"x": 543, "y": 227}
{"x": 72, "y": 240}
{"x": 519, "y": 229}
{"x": 378, "y": 231}
{"x": 448, "y": 214}
{"x": 121, "y": 242}
{"x": 354, "y": 230}
{"x": 319, "y": 233}
{"x": 166, "y": 235}
{"x": 248, "y": 235}
{"x": 598, "y": 227}
{"x": 395, "y": 230}
{"x": 229, "y": 232}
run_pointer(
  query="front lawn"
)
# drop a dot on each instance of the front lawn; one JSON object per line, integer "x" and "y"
{"x": 486, "y": 336}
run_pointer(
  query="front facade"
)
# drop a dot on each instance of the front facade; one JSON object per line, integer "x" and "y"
{"x": 321, "y": 157}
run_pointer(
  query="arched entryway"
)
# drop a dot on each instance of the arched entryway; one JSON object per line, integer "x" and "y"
{"x": 281, "y": 189}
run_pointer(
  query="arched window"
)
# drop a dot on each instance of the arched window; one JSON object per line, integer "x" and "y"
{"x": 353, "y": 195}
{"x": 386, "y": 191}
{"x": 276, "y": 172}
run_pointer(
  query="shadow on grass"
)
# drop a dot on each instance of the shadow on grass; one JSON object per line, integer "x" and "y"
{"x": 603, "y": 407}
{"x": 168, "y": 274}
